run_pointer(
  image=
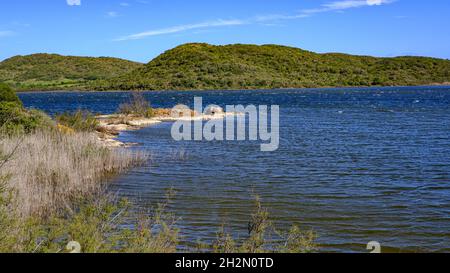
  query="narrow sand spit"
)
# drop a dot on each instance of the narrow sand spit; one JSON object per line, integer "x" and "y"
{"x": 110, "y": 126}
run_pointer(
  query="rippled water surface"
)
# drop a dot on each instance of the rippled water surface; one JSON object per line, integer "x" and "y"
{"x": 355, "y": 165}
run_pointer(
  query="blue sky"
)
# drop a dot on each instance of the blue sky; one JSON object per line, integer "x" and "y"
{"x": 141, "y": 29}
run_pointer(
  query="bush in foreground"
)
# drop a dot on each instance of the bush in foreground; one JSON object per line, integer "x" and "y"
{"x": 97, "y": 224}
{"x": 15, "y": 119}
{"x": 8, "y": 95}
{"x": 263, "y": 237}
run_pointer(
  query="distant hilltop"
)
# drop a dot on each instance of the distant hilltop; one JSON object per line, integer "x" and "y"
{"x": 205, "y": 67}
{"x": 56, "y": 72}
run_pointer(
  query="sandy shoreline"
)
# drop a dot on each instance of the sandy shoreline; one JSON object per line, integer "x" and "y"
{"x": 110, "y": 126}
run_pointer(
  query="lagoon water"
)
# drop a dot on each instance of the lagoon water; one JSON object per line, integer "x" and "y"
{"x": 355, "y": 165}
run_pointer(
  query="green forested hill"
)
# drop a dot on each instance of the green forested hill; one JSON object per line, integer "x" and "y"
{"x": 51, "y": 71}
{"x": 203, "y": 66}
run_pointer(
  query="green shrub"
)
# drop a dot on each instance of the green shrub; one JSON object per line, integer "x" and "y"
{"x": 96, "y": 224}
{"x": 138, "y": 106}
{"x": 262, "y": 236}
{"x": 82, "y": 121}
{"x": 14, "y": 119}
{"x": 43, "y": 121}
{"x": 8, "y": 95}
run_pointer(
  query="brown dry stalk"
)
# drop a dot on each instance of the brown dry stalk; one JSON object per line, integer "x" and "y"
{"x": 49, "y": 169}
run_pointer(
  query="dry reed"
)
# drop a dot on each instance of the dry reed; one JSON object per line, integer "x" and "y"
{"x": 48, "y": 170}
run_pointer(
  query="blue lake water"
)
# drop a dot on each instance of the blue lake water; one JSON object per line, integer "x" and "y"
{"x": 355, "y": 165}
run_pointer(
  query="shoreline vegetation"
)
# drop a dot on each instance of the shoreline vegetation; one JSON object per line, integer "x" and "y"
{"x": 137, "y": 114}
{"x": 443, "y": 84}
{"x": 199, "y": 66}
{"x": 53, "y": 189}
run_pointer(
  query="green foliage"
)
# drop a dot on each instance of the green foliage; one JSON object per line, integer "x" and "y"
{"x": 56, "y": 72}
{"x": 81, "y": 121}
{"x": 137, "y": 106}
{"x": 8, "y": 95}
{"x": 14, "y": 119}
{"x": 298, "y": 241}
{"x": 203, "y": 66}
{"x": 97, "y": 225}
{"x": 261, "y": 234}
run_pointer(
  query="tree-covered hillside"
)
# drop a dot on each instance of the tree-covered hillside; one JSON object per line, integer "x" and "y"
{"x": 203, "y": 66}
{"x": 51, "y": 71}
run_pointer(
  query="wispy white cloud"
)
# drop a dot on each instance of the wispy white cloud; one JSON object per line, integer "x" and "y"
{"x": 277, "y": 17}
{"x": 124, "y": 4}
{"x": 73, "y": 2}
{"x": 6, "y": 33}
{"x": 16, "y": 23}
{"x": 176, "y": 29}
{"x": 327, "y": 7}
{"x": 345, "y": 4}
{"x": 112, "y": 14}
{"x": 378, "y": 2}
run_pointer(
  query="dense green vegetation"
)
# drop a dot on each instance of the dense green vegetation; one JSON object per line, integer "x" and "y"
{"x": 80, "y": 121}
{"x": 203, "y": 66}
{"x": 15, "y": 119}
{"x": 56, "y": 72}
{"x": 8, "y": 95}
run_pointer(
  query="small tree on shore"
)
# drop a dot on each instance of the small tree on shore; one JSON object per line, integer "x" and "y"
{"x": 138, "y": 105}
{"x": 8, "y": 95}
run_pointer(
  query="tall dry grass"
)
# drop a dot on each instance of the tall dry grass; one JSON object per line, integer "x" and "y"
{"x": 48, "y": 170}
